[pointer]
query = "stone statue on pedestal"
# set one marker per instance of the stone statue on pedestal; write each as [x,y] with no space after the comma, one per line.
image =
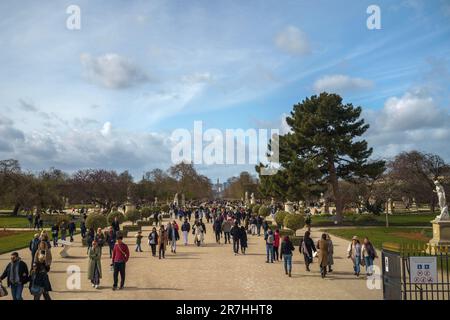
[175,199]
[246,197]
[442,202]
[253,200]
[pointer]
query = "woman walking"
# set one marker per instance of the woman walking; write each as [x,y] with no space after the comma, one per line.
[39,282]
[368,253]
[354,253]
[322,246]
[44,255]
[243,239]
[286,250]
[307,248]
[330,253]
[153,241]
[163,240]
[95,266]
[276,243]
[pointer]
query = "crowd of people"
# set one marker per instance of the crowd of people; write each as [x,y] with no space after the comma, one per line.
[230,225]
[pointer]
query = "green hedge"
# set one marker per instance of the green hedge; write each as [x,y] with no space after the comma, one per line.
[129,228]
[146,223]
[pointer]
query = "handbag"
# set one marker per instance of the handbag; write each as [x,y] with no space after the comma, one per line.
[35,290]
[3,291]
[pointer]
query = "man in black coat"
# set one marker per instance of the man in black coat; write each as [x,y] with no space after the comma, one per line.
[235,234]
[16,273]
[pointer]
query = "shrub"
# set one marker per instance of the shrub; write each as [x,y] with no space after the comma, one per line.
[147,223]
[165,208]
[279,217]
[294,221]
[133,216]
[255,209]
[286,232]
[264,211]
[296,240]
[365,219]
[114,214]
[131,228]
[95,221]
[146,212]
[156,209]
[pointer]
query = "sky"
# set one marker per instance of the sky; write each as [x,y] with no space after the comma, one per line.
[110,94]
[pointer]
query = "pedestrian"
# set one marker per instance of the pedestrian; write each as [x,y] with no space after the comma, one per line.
[226,228]
[354,253]
[265,227]
[330,253]
[16,274]
[115,224]
[235,234]
[243,239]
[90,237]
[368,253]
[258,225]
[55,232]
[153,241]
[287,249]
[37,217]
[63,230]
[44,255]
[83,228]
[162,241]
[269,245]
[173,236]
[308,249]
[253,225]
[100,238]
[39,282]
[34,245]
[110,239]
[95,264]
[72,229]
[217,227]
[276,243]
[120,256]
[30,220]
[139,237]
[185,228]
[322,246]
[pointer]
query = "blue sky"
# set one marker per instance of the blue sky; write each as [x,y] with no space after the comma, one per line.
[110,94]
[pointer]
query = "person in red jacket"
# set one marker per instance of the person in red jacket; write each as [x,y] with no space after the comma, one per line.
[120,256]
[276,243]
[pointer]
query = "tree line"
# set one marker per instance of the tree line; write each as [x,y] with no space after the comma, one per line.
[51,189]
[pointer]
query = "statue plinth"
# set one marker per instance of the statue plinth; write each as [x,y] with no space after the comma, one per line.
[129,206]
[441,233]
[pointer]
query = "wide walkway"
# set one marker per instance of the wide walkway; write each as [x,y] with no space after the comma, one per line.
[208,272]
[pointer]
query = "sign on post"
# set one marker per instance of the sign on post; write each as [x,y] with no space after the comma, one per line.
[423,270]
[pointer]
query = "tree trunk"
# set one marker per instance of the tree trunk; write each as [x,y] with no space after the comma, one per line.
[16,209]
[336,190]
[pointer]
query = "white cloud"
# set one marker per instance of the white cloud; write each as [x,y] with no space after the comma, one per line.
[112,71]
[341,83]
[410,122]
[293,41]
[106,129]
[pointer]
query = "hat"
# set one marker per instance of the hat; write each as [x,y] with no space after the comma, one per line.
[355,238]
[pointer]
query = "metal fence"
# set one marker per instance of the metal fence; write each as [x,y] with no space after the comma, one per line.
[403,281]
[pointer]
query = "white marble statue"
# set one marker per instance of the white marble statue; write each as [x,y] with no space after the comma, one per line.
[253,200]
[442,202]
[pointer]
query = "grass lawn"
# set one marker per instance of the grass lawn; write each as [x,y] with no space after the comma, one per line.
[398,220]
[14,240]
[13,222]
[378,235]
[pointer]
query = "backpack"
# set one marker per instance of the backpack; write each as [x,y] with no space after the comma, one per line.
[270,239]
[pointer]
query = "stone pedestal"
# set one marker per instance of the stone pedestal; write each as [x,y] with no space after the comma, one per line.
[289,207]
[129,207]
[441,233]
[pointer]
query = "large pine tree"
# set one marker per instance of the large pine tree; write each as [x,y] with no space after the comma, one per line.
[323,147]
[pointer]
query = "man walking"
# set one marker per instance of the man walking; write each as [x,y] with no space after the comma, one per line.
[269,245]
[120,257]
[235,233]
[226,228]
[16,273]
[185,228]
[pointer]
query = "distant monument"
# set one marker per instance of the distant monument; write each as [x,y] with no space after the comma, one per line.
[246,197]
[252,200]
[129,206]
[156,201]
[441,225]
[289,207]
[175,199]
